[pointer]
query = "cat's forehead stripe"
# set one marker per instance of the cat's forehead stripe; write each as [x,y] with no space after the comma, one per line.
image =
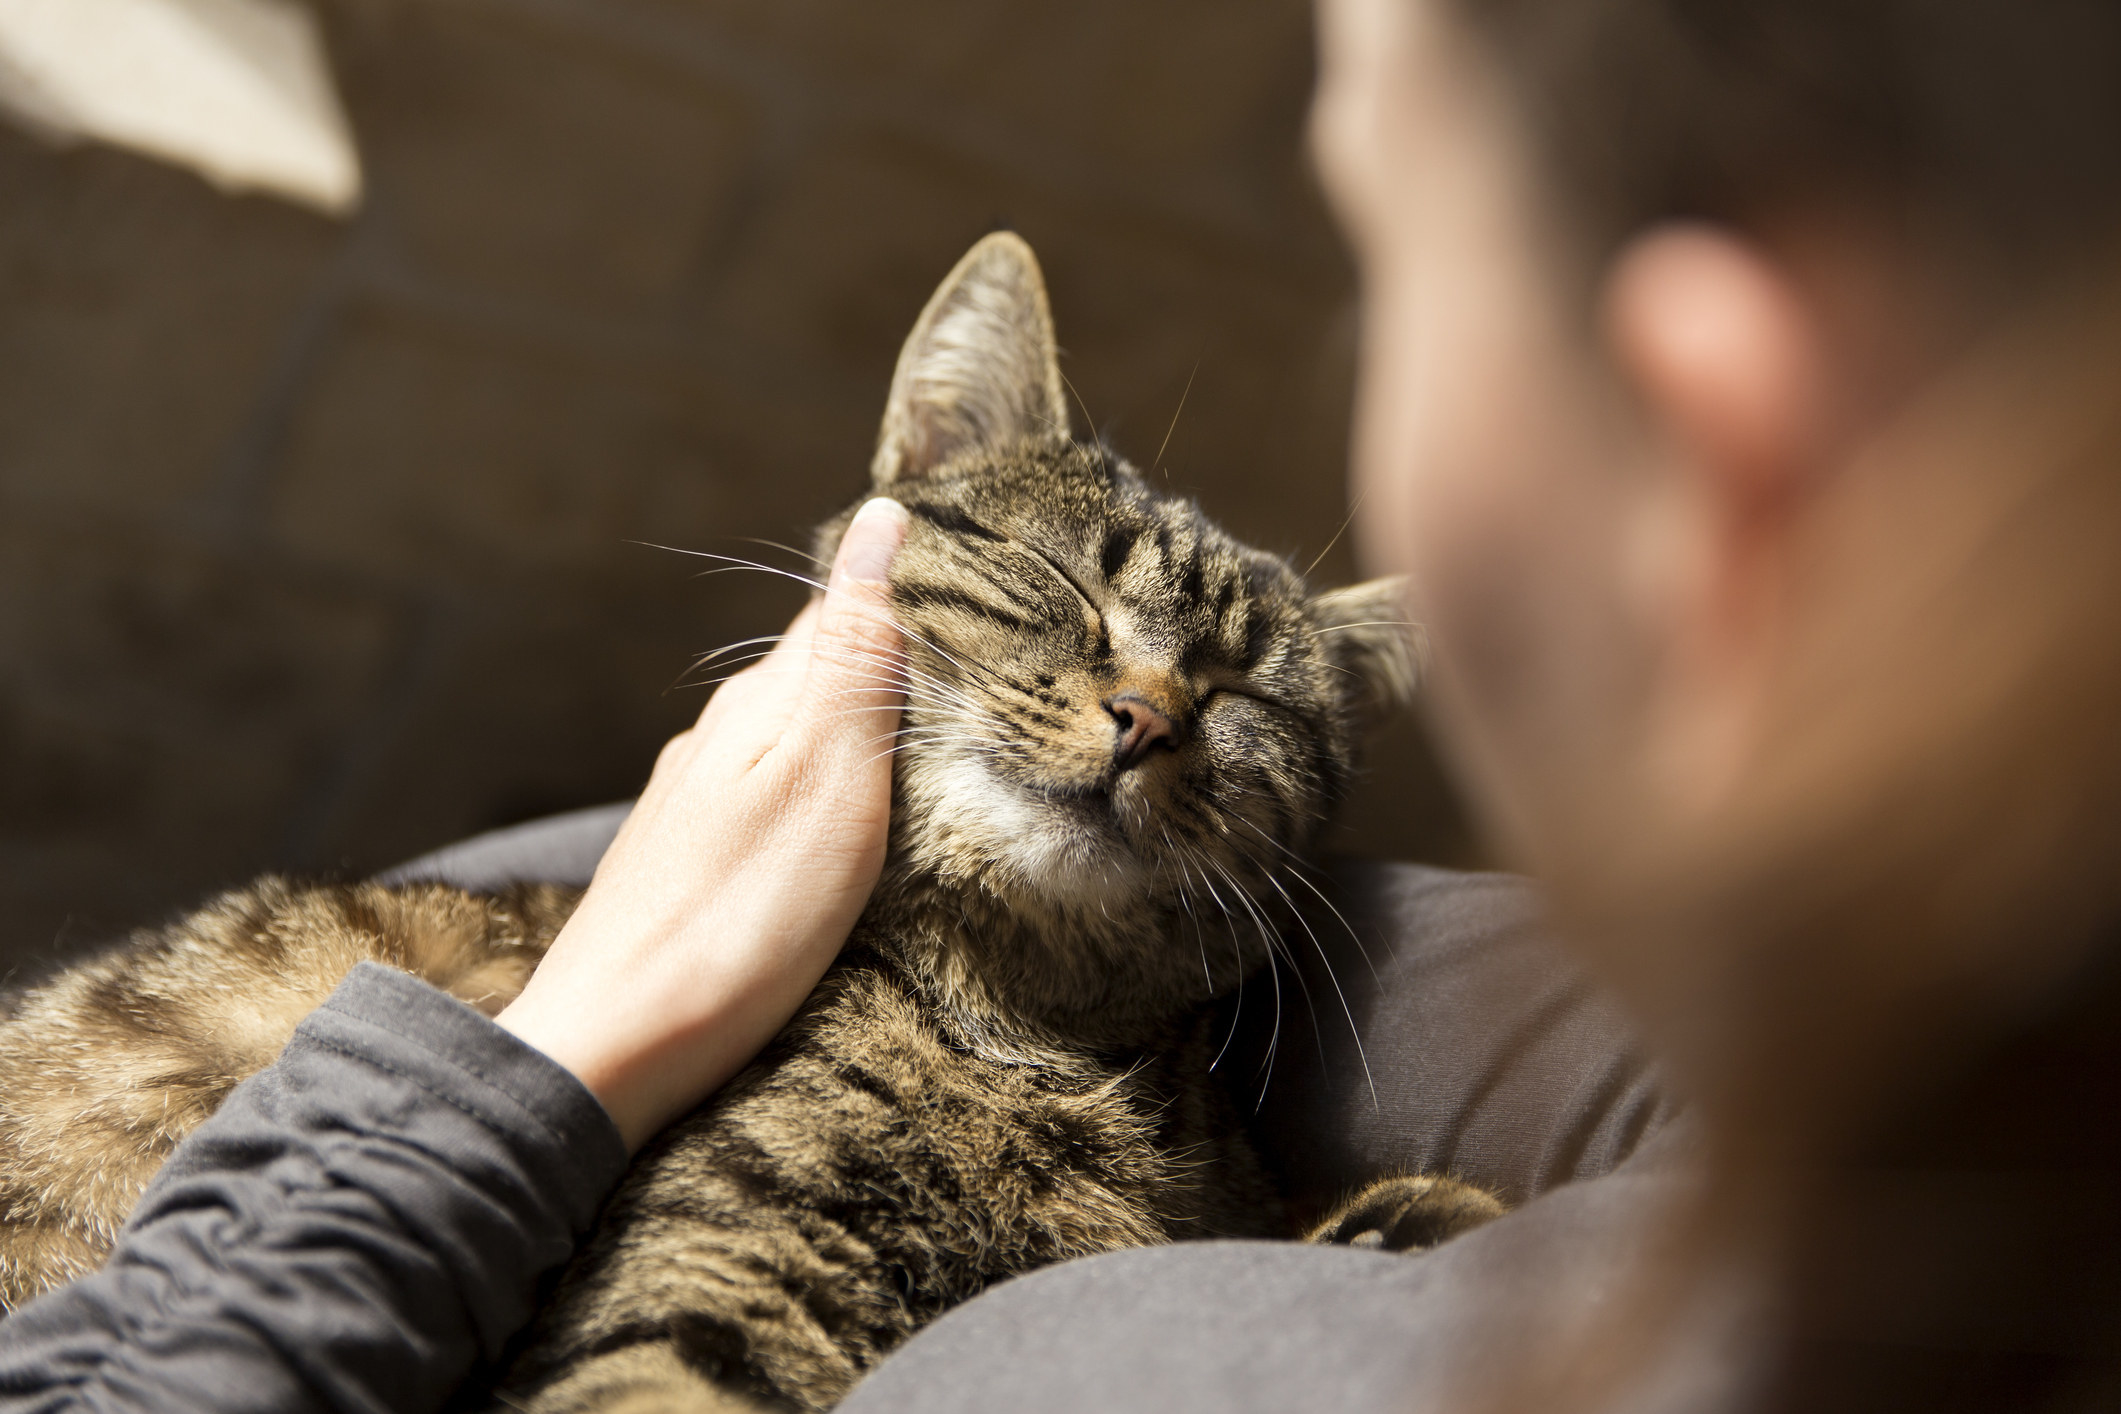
[920,595]
[1192,585]
[1119,546]
[954,520]
[1187,591]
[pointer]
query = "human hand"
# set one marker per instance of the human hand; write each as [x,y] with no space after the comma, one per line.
[742,868]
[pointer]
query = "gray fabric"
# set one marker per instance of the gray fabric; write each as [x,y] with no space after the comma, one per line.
[1432,1024]
[1283,1328]
[561,849]
[1492,1056]
[355,1229]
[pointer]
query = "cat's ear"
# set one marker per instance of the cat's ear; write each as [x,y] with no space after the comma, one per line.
[1364,631]
[980,368]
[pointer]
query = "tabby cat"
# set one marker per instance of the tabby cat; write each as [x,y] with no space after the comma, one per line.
[1120,727]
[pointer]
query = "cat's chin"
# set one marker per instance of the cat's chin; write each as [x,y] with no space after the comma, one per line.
[1058,849]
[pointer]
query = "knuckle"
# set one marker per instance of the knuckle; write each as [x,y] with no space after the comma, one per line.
[676,751]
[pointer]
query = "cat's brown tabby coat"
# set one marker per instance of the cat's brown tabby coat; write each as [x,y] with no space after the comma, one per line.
[1121,726]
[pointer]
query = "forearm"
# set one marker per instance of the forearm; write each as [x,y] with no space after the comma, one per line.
[355,1229]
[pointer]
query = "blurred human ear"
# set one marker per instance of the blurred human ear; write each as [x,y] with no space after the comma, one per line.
[1717,341]
[1722,352]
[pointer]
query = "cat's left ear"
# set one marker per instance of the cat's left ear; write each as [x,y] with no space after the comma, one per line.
[980,368]
[1364,631]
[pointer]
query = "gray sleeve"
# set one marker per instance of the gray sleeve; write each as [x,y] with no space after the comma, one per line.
[356,1229]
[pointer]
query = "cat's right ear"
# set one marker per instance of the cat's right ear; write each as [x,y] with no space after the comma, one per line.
[1365,632]
[980,368]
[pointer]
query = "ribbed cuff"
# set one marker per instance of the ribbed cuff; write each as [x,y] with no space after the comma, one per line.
[432,1040]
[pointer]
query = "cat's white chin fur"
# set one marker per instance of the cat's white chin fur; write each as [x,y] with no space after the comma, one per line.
[1028,843]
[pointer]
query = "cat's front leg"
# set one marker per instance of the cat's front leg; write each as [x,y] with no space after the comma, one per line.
[726,1275]
[1407,1213]
[653,1377]
[742,1315]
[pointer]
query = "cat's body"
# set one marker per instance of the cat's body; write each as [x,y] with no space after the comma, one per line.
[1120,728]
[873,1171]
[106,1068]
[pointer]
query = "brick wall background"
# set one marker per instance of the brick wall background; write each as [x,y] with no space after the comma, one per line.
[316,538]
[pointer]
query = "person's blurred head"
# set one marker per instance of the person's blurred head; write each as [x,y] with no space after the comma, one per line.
[1738,395]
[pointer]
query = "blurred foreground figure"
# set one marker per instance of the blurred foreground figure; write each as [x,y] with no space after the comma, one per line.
[1742,393]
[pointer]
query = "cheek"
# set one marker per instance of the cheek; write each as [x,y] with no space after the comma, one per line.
[1445,471]
[1484,467]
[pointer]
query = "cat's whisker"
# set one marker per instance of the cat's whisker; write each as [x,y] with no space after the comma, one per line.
[1326,962]
[1298,870]
[923,700]
[790,549]
[1185,900]
[892,750]
[917,736]
[896,662]
[1156,462]
[1366,623]
[726,677]
[965,745]
[921,695]
[830,652]
[735,666]
[1273,974]
[957,728]
[1320,557]
[866,709]
[1275,947]
[726,656]
[708,660]
[771,640]
[1089,422]
[920,688]
[736,562]
[1207,972]
[934,736]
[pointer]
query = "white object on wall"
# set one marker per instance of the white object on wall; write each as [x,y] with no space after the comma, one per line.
[237,90]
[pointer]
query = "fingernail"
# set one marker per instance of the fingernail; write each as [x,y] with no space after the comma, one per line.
[873,538]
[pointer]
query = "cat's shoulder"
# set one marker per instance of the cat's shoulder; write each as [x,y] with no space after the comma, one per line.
[237,974]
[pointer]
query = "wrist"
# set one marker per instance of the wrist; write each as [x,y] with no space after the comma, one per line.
[651,1030]
[627,1061]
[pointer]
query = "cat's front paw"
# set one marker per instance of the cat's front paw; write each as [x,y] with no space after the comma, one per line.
[1410,1213]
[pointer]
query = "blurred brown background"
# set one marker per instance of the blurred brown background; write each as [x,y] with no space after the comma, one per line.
[315,537]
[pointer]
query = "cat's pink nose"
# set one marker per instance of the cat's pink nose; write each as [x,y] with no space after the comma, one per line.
[1142,728]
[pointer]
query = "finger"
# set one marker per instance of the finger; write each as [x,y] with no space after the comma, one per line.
[794,647]
[770,683]
[852,694]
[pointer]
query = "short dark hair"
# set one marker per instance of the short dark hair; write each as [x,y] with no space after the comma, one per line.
[1992,123]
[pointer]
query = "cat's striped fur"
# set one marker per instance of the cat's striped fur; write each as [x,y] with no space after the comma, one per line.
[1121,728]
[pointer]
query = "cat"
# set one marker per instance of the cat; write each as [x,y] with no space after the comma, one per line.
[1122,729]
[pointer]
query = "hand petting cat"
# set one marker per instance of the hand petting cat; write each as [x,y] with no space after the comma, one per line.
[752,851]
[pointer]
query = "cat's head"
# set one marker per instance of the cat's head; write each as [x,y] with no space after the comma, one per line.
[1114,709]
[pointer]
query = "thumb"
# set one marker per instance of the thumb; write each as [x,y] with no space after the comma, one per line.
[855,683]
